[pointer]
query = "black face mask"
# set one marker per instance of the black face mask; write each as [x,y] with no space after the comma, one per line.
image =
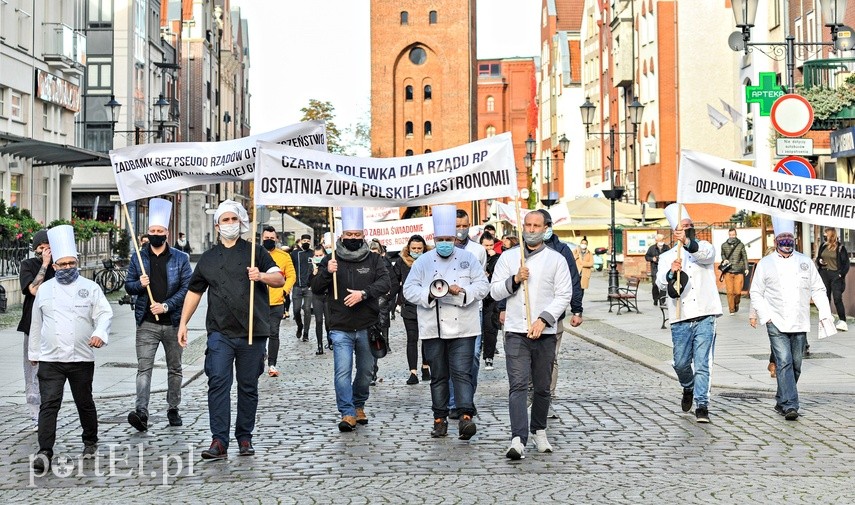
[305,246]
[352,244]
[157,240]
[690,233]
[269,244]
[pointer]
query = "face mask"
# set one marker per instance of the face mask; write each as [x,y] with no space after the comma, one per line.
[786,245]
[583,247]
[445,249]
[660,244]
[533,239]
[317,259]
[731,241]
[269,244]
[690,233]
[328,250]
[352,244]
[230,231]
[415,255]
[462,234]
[547,234]
[67,275]
[305,246]
[157,240]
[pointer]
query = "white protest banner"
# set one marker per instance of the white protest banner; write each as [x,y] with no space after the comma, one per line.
[395,234]
[506,212]
[708,179]
[155,169]
[293,176]
[375,214]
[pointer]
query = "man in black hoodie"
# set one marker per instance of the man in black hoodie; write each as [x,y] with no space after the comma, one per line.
[301,297]
[362,279]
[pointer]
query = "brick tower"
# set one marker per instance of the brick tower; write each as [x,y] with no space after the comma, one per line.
[423,78]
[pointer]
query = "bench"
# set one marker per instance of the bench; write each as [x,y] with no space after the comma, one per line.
[664,309]
[626,298]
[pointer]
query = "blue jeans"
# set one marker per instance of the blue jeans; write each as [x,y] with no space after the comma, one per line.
[789,349]
[450,358]
[351,392]
[224,358]
[694,343]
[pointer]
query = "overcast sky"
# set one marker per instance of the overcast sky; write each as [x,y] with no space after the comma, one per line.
[321,49]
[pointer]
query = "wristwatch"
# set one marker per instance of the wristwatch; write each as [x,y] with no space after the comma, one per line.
[165,307]
[364,295]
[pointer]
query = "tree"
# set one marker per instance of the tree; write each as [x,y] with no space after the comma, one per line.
[325,111]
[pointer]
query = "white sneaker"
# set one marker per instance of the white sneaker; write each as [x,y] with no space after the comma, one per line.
[541,442]
[551,413]
[841,325]
[516,450]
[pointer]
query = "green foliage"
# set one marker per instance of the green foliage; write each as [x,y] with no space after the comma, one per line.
[827,102]
[324,111]
[122,247]
[17,224]
[84,229]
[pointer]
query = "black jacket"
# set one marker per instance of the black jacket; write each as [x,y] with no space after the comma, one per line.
[559,246]
[303,266]
[653,252]
[842,259]
[369,275]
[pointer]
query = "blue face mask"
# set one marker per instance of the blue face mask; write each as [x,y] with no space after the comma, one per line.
[547,234]
[415,255]
[445,249]
[67,275]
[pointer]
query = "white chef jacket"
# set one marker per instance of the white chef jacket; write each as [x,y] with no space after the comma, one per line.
[782,290]
[700,295]
[450,316]
[65,317]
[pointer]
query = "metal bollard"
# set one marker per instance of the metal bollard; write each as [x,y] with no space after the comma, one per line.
[3,301]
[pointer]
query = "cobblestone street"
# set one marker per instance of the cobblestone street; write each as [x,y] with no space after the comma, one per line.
[621,439]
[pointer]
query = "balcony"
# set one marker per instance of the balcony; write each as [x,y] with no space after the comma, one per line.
[64,48]
[829,86]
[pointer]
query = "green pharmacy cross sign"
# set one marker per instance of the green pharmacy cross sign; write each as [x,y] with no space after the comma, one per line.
[765,94]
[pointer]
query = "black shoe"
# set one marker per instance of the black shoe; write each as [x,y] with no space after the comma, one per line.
[702,415]
[454,414]
[466,428]
[440,428]
[139,420]
[89,450]
[807,350]
[216,451]
[779,409]
[413,379]
[425,374]
[305,338]
[299,333]
[174,417]
[791,415]
[686,402]
[246,448]
[319,351]
[41,461]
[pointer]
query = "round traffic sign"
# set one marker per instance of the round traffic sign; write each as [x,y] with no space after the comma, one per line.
[792,115]
[796,165]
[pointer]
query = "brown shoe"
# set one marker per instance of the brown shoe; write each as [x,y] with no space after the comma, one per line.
[348,423]
[361,418]
[772,369]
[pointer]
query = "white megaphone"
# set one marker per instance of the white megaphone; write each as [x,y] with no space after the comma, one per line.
[438,288]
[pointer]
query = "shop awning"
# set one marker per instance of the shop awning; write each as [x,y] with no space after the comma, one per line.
[45,153]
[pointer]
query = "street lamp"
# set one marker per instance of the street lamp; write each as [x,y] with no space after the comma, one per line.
[744,12]
[115,107]
[636,110]
[530,145]
[227,118]
[161,116]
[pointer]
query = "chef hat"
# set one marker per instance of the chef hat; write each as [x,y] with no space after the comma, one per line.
[62,245]
[351,219]
[233,206]
[780,225]
[671,214]
[444,220]
[159,211]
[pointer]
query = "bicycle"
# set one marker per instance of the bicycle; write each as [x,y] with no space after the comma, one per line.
[112,277]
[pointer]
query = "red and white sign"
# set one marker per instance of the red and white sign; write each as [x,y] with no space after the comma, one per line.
[792,115]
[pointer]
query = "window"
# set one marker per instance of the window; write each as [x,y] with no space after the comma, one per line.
[491,131]
[409,152]
[405,18]
[100,13]
[432,17]
[408,93]
[98,137]
[46,116]
[428,129]
[418,56]
[16,102]
[99,74]
[15,183]
[408,128]
[491,104]
[428,151]
[489,69]
[428,92]
[2,102]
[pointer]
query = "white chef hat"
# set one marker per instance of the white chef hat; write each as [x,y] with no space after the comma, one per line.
[779,224]
[62,245]
[671,214]
[352,219]
[444,220]
[159,211]
[233,206]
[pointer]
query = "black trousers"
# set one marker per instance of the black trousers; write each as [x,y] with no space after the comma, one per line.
[834,288]
[52,376]
[489,327]
[412,328]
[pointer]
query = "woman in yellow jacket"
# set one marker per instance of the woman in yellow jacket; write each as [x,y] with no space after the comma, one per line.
[584,262]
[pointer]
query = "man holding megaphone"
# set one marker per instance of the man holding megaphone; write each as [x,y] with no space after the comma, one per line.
[446,285]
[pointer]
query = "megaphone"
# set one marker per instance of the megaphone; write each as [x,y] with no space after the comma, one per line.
[438,288]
